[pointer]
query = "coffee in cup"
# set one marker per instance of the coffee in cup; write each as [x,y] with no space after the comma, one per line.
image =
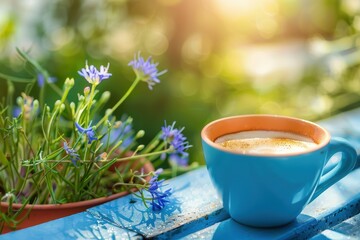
[266,142]
[265,188]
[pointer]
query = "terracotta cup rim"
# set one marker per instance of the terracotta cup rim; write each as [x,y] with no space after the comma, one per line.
[238,123]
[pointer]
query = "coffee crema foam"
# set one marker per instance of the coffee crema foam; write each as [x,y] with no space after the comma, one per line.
[266,142]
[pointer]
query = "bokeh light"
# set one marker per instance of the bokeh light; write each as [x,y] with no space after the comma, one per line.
[224,57]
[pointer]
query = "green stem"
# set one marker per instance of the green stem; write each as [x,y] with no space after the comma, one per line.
[77,184]
[168,173]
[89,104]
[130,184]
[42,94]
[10,94]
[146,155]
[153,143]
[108,113]
[50,126]
[54,115]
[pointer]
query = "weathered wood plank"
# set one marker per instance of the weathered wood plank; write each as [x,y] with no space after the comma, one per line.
[349,229]
[81,226]
[194,205]
[335,205]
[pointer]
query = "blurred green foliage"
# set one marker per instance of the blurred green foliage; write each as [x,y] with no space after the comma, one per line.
[224,57]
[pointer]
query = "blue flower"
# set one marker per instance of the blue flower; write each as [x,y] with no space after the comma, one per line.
[88,131]
[178,141]
[180,160]
[94,76]
[41,80]
[146,70]
[72,153]
[159,198]
[16,111]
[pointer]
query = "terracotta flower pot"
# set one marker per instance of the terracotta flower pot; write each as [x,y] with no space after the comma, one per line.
[40,213]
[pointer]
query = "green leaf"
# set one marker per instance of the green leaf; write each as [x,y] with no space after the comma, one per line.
[32,62]
[13,78]
[3,159]
[54,154]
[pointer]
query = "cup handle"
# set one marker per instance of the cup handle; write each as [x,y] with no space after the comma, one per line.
[341,168]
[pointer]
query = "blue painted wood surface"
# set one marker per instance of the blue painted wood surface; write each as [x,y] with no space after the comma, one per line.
[77,226]
[335,205]
[349,229]
[196,211]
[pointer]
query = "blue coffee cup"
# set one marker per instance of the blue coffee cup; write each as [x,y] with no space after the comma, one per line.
[268,190]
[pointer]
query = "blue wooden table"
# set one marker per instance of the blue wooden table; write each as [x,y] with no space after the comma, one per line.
[196,212]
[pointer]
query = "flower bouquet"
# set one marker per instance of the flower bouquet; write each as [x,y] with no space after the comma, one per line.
[62,153]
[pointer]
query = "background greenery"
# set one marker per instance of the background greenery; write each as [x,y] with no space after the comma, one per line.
[224,57]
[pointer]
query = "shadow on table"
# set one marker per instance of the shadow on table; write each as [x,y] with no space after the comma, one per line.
[143,221]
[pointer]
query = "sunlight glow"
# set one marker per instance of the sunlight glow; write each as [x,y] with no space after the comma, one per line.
[235,8]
